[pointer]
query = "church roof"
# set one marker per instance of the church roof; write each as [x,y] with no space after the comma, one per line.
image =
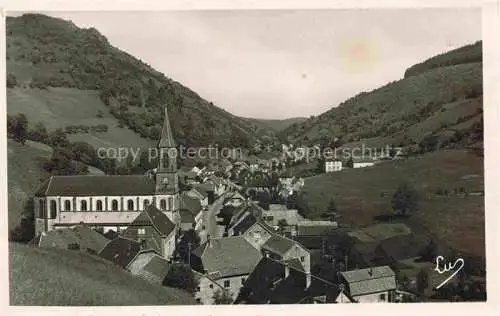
[88,185]
[167,139]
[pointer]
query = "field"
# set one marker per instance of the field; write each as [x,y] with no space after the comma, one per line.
[363,196]
[65,277]
[60,107]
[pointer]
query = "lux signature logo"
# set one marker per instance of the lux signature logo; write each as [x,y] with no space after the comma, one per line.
[447,267]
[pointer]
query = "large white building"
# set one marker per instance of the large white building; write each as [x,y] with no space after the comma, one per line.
[333,165]
[110,202]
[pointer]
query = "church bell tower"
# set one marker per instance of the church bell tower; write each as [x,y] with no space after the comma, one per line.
[167,180]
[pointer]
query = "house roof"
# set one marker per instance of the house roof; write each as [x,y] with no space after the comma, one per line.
[167,138]
[152,216]
[89,185]
[230,256]
[370,280]
[267,284]
[313,230]
[120,251]
[201,191]
[278,244]
[155,270]
[244,224]
[191,204]
[86,238]
[400,247]
[186,216]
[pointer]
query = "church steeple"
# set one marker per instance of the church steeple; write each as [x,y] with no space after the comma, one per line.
[166,139]
[167,181]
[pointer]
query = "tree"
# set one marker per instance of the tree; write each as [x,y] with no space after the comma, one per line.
[405,199]
[11,80]
[182,277]
[25,231]
[189,241]
[39,133]
[430,252]
[331,212]
[58,138]
[350,163]
[17,127]
[422,281]
[282,224]
[222,297]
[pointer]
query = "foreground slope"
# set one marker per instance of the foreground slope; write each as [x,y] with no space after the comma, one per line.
[73,278]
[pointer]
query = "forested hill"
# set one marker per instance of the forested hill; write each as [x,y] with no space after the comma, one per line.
[438,104]
[45,52]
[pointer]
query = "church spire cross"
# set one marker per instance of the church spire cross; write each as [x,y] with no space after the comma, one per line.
[167,139]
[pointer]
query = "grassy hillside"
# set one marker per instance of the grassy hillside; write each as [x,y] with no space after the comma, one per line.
[62,107]
[441,98]
[44,52]
[24,175]
[72,278]
[276,125]
[363,196]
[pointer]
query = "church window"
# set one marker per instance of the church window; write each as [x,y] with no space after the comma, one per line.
[163,204]
[83,205]
[114,205]
[130,205]
[42,209]
[146,203]
[67,205]
[227,283]
[99,205]
[53,209]
[170,203]
[165,162]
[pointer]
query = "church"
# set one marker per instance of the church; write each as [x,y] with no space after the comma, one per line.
[110,202]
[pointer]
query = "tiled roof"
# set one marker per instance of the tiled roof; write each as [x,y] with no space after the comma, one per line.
[400,247]
[200,190]
[89,185]
[191,204]
[370,280]
[230,256]
[186,216]
[278,244]
[152,216]
[313,230]
[86,238]
[267,284]
[155,270]
[120,251]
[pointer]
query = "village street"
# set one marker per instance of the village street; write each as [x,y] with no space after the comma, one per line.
[210,220]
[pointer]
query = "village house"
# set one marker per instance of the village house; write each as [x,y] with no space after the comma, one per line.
[77,237]
[109,202]
[278,282]
[121,251]
[207,288]
[277,247]
[191,213]
[200,194]
[314,234]
[149,266]
[154,230]
[363,162]
[228,261]
[333,165]
[278,213]
[234,199]
[218,184]
[370,285]
[244,217]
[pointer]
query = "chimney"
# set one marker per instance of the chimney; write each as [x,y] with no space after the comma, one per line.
[287,270]
[308,279]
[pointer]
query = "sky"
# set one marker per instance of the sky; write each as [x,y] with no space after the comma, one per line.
[280,64]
